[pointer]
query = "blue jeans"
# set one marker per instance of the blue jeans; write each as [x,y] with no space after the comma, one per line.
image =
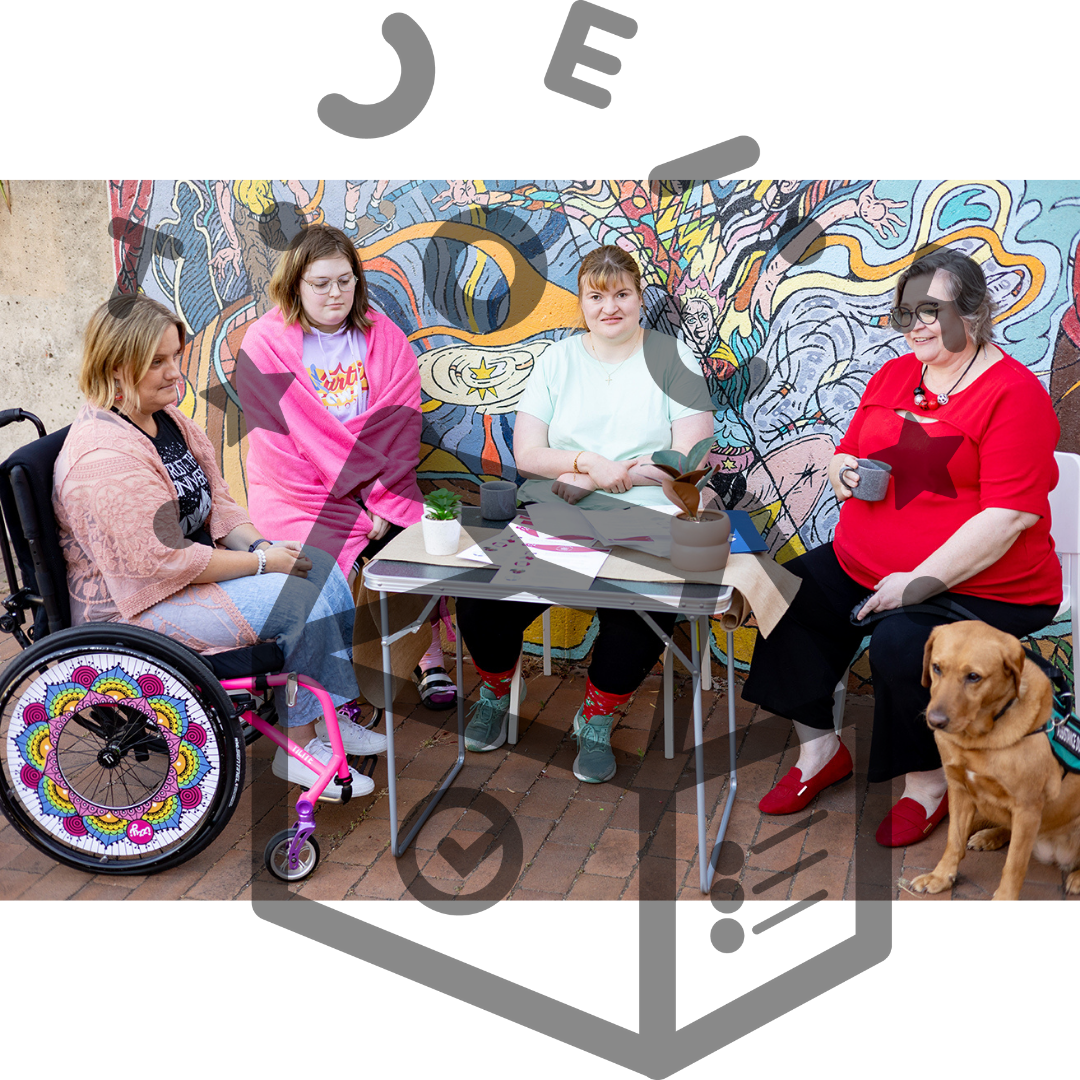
[312,620]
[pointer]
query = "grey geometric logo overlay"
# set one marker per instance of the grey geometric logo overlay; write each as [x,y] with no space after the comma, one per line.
[572,51]
[409,97]
[659,1048]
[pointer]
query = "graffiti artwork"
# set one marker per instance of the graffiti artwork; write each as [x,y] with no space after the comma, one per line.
[781,288]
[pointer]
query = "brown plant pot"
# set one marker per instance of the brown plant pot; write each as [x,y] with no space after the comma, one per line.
[700,545]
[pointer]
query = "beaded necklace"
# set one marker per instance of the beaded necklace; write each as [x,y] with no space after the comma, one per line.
[930,404]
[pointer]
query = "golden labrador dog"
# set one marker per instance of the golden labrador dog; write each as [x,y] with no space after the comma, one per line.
[987,704]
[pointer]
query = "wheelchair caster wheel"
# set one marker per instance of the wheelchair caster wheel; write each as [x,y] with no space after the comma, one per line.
[276,856]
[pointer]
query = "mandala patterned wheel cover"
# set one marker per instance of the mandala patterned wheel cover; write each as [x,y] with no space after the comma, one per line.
[169,769]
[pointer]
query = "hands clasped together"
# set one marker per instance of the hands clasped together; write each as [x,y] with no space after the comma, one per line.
[598,473]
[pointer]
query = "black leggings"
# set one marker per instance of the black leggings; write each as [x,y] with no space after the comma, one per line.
[624,652]
[373,547]
[796,668]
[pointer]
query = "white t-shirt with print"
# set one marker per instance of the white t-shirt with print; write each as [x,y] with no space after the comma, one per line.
[335,365]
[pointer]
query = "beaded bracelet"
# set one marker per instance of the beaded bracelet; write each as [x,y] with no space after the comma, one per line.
[262,562]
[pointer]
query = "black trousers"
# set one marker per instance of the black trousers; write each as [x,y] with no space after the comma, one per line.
[624,652]
[371,551]
[796,668]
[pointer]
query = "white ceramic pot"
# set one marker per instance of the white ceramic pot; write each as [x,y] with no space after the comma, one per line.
[700,545]
[441,537]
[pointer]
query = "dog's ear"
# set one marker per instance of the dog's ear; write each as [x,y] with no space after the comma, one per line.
[1014,664]
[926,657]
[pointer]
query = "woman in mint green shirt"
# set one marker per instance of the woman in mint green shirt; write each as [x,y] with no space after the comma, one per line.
[595,408]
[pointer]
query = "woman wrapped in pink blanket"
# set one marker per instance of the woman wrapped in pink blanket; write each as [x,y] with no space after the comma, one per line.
[331,395]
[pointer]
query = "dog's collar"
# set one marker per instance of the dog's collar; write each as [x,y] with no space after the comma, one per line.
[1003,711]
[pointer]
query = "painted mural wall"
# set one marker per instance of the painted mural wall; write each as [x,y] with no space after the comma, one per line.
[781,288]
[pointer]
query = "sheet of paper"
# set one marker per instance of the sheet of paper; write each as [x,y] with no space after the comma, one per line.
[584,562]
[535,559]
[562,519]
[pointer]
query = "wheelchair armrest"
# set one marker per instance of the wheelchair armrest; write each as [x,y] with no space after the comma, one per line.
[265,658]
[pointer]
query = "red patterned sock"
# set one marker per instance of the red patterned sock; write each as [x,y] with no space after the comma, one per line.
[499,685]
[601,703]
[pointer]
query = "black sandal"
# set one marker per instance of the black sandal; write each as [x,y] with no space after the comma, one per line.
[435,682]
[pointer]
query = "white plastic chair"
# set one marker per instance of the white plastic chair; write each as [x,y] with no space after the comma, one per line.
[1065,529]
[669,686]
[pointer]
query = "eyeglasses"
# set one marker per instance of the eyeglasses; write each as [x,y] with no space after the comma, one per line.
[322,287]
[901,318]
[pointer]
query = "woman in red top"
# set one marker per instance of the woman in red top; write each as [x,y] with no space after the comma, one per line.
[970,434]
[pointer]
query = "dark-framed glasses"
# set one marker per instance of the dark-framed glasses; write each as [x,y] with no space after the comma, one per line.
[901,318]
[322,285]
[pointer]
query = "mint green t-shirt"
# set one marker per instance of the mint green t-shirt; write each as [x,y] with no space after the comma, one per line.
[630,416]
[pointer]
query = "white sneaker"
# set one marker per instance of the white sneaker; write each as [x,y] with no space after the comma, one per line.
[296,772]
[356,738]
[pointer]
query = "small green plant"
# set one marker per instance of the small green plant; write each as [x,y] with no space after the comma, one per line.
[685,479]
[442,504]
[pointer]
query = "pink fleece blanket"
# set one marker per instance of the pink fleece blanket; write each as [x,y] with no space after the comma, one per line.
[305,469]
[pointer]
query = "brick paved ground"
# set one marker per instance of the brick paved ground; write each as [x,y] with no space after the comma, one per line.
[519,825]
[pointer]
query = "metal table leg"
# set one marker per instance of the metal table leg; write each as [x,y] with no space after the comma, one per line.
[733,782]
[699,639]
[397,845]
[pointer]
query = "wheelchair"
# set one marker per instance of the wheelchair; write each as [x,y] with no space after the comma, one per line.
[121,750]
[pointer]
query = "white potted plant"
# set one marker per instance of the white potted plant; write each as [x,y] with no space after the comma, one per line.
[700,539]
[441,522]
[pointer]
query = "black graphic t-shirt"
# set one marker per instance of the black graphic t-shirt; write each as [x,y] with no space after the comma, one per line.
[192,487]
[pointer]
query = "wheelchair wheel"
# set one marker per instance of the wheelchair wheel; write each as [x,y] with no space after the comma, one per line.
[276,856]
[119,753]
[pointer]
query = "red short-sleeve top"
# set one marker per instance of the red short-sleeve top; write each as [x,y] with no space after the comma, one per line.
[992,446]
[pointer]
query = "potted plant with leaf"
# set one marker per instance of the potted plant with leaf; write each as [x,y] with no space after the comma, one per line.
[700,538]
[441,522]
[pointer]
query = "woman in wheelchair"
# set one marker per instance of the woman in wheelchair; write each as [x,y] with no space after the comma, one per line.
[152,537]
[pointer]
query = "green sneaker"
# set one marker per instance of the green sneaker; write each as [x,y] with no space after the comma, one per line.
[595,762]
[486,729]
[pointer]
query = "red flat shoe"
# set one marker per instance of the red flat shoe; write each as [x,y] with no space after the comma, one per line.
[792,794]
[907,823]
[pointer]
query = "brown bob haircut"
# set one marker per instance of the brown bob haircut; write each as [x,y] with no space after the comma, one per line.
[603,267]
[119,345]
[308,246]
[967,288]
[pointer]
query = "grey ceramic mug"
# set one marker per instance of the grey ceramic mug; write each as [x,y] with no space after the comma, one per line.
[873,479]
[498,500]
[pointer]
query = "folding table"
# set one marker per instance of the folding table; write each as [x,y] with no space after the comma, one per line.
[698,602]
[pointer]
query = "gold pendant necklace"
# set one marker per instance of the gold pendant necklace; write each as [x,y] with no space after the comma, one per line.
[604,367]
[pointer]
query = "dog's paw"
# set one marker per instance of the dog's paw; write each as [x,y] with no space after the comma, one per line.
[988,839]
[933,882]
[1072,883]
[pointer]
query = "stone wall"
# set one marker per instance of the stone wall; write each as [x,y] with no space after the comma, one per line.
[56,266]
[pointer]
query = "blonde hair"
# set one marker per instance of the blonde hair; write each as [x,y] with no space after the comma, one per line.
[602,268]
[308,246]
[119,345]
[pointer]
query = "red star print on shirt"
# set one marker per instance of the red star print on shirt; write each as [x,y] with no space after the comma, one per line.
[920,462]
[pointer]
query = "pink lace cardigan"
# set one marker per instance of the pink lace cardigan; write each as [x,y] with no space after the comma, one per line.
[120,533]
[305,467]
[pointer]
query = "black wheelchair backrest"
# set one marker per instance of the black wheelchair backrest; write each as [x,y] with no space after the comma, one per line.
[26,481]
